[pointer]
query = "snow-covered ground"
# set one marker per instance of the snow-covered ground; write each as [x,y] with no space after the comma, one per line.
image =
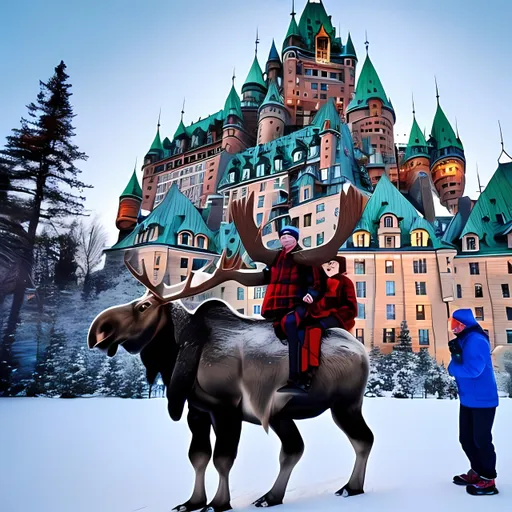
[114,455]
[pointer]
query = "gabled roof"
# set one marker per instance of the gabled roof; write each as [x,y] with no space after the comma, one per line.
[386,199]
[417,145]
[255,76]
[443,132]
[174,214]
[233,105]
[494,203]
[273,95]
[368,87]
[328,112]
[133,188]
[202,124]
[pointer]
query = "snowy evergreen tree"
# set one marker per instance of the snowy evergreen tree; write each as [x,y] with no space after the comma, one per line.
[425,365]
[439,383]
[405,380]
[404,339]
[375,382]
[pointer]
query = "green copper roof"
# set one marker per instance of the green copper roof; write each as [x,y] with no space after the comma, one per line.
[493,211]
[255,76]
[273,95]
[417,145]
[443,132]
[368,86]
[157,143]
[133,188]
[312,19]
[349,47]
[233,107]
[387,199]
[328,112]
[181,130]
[174,214]
[293,29]
[273,55]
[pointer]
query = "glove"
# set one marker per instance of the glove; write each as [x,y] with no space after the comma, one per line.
[456,350]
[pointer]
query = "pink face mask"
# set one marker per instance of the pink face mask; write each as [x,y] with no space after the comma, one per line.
[288,242]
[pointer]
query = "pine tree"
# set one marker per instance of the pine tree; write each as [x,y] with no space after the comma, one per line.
[404,339]
[405,380]
[425,365]
[37,166]
[375,384]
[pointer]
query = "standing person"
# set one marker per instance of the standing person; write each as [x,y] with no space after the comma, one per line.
[472,368]
[337,308]
[290,287]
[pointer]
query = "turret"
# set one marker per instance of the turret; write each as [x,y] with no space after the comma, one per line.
[327,119]
[272,116]
[254,88]
[447,161]
[274,67]
[234,135]
[129,206]
[292,37]
[181,137]
[156,151]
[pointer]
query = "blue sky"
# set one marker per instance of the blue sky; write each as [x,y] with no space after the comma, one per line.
[127,59]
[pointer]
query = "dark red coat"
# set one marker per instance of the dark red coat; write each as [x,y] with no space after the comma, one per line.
[287,284]
[339,301]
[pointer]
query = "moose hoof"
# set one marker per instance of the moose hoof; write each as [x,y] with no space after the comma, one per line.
[346,491]
[267,501]
[189,507]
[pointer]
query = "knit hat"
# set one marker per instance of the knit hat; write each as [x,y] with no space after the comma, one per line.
[289,230]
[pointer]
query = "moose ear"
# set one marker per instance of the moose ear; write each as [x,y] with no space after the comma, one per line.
[158,357]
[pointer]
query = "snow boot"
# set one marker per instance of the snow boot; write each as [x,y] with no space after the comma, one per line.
[471,477]
[484,487]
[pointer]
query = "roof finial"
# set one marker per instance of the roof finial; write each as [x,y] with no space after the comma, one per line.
[159,114]
[413,110]
[478,179]
[135,168]
[437,90]
[503,152]
[366,43]
[183,109]
[257,42]
[457,128]
[233,77]
[293,13]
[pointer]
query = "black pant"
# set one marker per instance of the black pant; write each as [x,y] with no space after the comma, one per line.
[295,337]
[475,436]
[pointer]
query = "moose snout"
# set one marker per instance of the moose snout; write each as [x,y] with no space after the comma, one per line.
[101,333]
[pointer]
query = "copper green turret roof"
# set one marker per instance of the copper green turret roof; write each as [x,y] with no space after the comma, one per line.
[273,55]
[273,95]
[443,132]
[368,87]
[255,76]
[293,29]
[417,145]
[491,217]
[180,131]
[349,47]
[133,188]
[157,143]
[328,112]
[312,18]
[233,107]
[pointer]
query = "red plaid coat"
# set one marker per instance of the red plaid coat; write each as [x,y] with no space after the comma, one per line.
[287,284]
[338,301]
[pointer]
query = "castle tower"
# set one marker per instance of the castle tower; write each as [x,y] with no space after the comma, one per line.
[129,206]
[272,116]
[292,37]
[447,161]
[328,121]
[372,118]
[253,93]
[156,151]
[416,160]
[274,67]
[234,135]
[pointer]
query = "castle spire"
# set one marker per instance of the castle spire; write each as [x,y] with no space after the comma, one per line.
[437,90]
[413,110]
[503,152]
[366,43]
[233,77]
[478,179]
[257,42]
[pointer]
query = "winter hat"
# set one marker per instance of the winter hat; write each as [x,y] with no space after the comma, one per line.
[289,230]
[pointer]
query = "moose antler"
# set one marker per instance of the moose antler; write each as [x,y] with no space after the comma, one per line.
[199,281]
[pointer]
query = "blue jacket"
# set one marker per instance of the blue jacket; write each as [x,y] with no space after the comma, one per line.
[475,374]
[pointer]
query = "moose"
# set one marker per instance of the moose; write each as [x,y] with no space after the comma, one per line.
[227,367]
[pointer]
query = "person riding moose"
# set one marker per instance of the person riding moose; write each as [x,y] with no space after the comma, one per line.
[307,290]
[290,288]
[336,308]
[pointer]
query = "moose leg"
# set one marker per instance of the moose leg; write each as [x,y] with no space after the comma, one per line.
[227,423]
[200,453]
[291,451]
[351,421]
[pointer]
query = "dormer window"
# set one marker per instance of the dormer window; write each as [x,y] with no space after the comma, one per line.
[361,239]
[260,170]
[231,177]
[246,173]
[201,242]
[388,222]
[297,156]
[419,238]
[323,50]
[471,243]
[184,238]
[278,164]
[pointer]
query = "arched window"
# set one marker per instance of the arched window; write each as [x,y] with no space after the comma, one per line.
[201,242]
[184,238]
[479,291]
[388,222]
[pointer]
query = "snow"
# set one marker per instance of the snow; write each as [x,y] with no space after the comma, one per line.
[115,455]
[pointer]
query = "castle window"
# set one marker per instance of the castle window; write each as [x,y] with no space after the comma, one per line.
[390,288]
[239,293]
[231,177]
[246,173]
[388,335]
[389,242]
[509,313]
[183,262]
[261,201]
[307,220]
[505,291]
[297,156]
[471,243]
[390,311]
[388,222]
[419,238]
[474,269]
[479,291]
[320,238]
[322,47]
[314,86]
[420,312]
[421,288]
[360,335]
[361,313]
[260,170]
[201,242]
[361,289]
[423,336]
[198,263]
[390,267]
[479,313]
[359,267]
[184,239]
[278,164]
[420,266]
[459,291]
[509,335]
